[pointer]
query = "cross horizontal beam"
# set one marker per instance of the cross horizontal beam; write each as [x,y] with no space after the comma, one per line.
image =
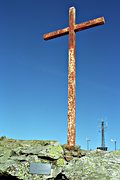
[77,27]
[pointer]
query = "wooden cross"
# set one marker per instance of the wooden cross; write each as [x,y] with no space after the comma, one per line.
[71,30]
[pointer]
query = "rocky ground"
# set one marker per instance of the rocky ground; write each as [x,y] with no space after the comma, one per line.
[75,164]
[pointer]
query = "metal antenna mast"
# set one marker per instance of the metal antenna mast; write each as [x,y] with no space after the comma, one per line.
[103,136]
[114,141]
[102,130]
[88,140]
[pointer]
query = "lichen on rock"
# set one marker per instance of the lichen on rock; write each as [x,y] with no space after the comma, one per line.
[69,164]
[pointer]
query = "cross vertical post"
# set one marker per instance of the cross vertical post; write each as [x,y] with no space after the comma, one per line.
[103,136]
[71,31]
[72,80]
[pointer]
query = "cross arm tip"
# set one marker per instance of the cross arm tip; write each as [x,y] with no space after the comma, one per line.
[100,20]
[47,36]
[44,37]
[103,20]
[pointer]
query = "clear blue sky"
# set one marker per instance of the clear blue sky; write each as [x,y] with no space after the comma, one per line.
[33,72]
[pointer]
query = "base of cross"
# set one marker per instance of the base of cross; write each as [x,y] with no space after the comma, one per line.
[74,148]
[70,147]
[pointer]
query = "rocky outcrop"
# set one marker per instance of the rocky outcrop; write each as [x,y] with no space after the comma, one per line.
[74,164]
[97,165]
